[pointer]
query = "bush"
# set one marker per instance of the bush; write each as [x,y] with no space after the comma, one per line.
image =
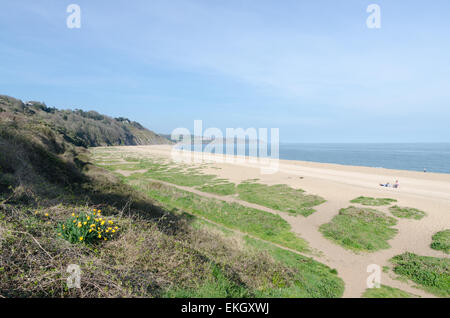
[88,228]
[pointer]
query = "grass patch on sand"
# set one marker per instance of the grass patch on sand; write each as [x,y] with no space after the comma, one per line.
[178,174]
[373,201]
[223,188]
[264,225]
[310,278]
[386,292]
[407,213]
[430,273]
[360,229]
[441,241]
[279,197]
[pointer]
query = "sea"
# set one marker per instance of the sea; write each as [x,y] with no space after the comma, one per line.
[429,157]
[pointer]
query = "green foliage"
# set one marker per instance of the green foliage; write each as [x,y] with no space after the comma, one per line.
[407,213]
[386,292]
[226,188]
[218,285]
[82,128]
[360,229]
[441,241]
[310,278]
[373,201]
[88,228]
[279,197]
[259,223]
[431,273]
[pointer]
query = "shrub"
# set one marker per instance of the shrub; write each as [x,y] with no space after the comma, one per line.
[87,228]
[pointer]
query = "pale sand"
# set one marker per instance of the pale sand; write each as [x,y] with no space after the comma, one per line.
[339,184]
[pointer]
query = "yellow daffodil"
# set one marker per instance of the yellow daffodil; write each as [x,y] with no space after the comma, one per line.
[46,214]
[81,238]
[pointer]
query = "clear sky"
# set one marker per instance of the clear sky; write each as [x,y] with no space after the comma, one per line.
[311,68]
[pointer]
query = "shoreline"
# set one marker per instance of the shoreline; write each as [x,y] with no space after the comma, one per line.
[429,169]
[312,164]
[338,185]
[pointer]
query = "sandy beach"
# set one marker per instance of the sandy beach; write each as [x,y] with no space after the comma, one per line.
[339,184]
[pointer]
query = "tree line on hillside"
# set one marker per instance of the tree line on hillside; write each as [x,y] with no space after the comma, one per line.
[82,128]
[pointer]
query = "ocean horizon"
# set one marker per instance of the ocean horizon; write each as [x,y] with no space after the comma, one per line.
[429,157]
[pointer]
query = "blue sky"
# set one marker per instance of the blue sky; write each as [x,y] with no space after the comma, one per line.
[311,68]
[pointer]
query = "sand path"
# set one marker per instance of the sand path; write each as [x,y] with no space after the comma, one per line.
[338,185]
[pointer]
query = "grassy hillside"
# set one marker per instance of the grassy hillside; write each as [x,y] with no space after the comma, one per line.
[78,127]
[58,209]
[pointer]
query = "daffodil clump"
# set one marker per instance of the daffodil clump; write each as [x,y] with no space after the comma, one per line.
[88,228]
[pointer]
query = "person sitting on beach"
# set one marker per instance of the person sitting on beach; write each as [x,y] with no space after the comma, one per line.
[396,185]
[385,185]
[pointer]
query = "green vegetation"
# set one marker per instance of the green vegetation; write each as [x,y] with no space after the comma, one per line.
[407,213]
[309,278]
[360,229]
[373,201]
[264,225]
[217,286]
[176,174]
[430,273]
[225,188]
[86,129]
[279,197]
[441,241]
[88,228]
[386,292]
